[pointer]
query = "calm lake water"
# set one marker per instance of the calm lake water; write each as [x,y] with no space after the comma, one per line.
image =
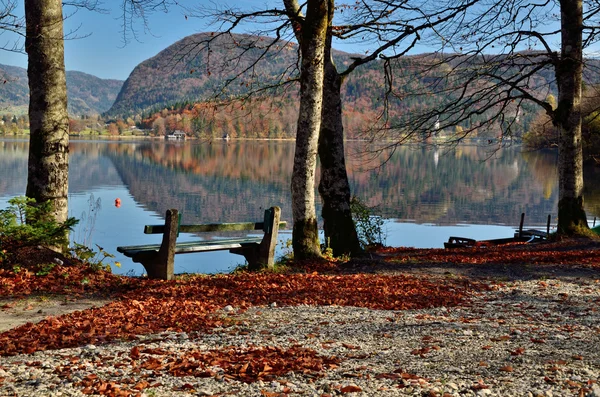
[425,194]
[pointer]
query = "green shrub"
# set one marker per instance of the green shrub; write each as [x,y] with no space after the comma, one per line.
[95,260]
[27,223]
[369,225]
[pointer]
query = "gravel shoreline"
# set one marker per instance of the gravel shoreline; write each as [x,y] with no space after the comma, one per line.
[522,338]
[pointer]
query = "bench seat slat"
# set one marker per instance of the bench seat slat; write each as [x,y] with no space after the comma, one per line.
[193,246]
[211,227]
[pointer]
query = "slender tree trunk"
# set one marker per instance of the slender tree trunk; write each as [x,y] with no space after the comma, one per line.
[569,71]
[305,237]
[47,177]
[339,228]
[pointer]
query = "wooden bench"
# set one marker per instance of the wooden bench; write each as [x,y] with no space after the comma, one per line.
[158,259]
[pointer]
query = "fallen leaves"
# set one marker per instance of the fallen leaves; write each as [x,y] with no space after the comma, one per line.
[350,389]
[557,253]
[152,306]
[246,365]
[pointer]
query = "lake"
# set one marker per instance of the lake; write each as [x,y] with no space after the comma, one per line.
[424,194]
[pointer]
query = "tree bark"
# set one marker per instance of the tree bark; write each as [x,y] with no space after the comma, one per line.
[305,237]
[339,228]
[569,71]
[48,166]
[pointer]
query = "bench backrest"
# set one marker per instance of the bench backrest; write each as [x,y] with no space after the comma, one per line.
[220,227]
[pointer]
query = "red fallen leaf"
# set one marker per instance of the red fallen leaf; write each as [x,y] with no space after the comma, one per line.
[534,340]
[135,353]
[406,375]
[518,351]
[506,368]
[141,385]
[421,352]
[479,385]
[350,389]
[350,347]
[486,347]
[265,393]
[577,357]
[387,376]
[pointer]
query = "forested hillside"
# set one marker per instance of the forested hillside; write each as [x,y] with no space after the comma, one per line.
[177,89]
[88,95]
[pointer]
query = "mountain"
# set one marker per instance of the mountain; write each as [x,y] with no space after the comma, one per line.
[189,71]
[87,94]
[180,73]
[170,90]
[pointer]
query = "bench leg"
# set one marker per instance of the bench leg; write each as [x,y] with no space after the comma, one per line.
[161,264]
[263,255]
[250,253]
[152,263]
[266,249]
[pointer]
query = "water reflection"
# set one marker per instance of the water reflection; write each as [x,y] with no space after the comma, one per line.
[235,181]
[226,181]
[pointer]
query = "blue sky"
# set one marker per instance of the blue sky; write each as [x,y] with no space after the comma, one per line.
[100,49]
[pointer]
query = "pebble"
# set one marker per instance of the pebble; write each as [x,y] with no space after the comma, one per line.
[536,338]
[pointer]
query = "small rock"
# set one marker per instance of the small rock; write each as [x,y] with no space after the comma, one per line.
[595,392]
[452,385]
[274,304]
[228,309]
[58,261]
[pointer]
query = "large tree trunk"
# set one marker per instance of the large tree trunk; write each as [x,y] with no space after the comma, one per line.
[569,71]
[339,228]
[305,237]
[48,168]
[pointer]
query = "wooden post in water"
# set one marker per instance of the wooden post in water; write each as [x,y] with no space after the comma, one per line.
[594,224]
[521,225]
[548,227]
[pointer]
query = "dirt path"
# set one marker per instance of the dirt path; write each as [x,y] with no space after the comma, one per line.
[15,312]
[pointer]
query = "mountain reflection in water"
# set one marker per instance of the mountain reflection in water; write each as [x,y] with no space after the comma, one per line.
[236,181]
